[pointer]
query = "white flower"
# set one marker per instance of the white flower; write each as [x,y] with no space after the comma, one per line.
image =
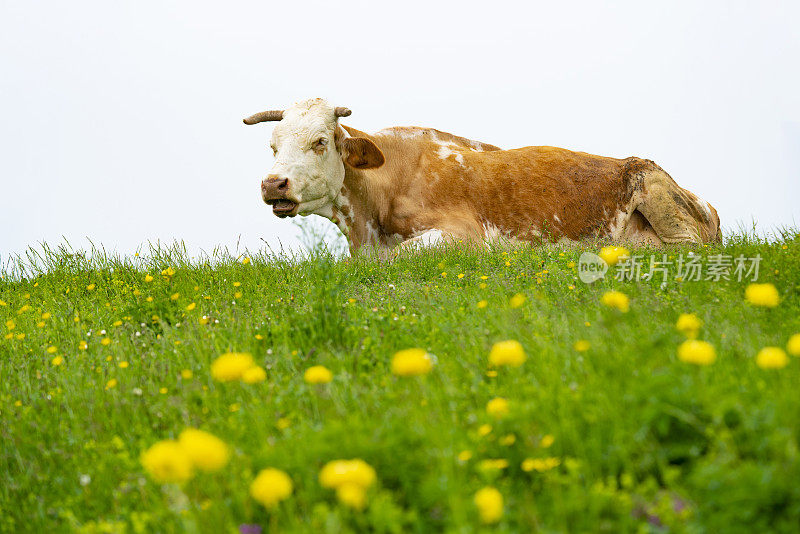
[137,392]
[85,480]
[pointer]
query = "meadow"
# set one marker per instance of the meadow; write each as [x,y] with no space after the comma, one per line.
[599,419]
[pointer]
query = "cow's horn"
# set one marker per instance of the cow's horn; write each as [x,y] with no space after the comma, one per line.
[341,112]
[264,116]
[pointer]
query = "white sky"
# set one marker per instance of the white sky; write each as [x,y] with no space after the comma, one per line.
[121,121]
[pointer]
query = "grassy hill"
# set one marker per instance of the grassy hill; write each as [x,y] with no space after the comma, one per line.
[605,428]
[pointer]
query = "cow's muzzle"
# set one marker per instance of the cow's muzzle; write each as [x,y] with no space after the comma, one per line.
[274,190]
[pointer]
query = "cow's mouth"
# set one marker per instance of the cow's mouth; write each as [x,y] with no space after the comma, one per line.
[283,207]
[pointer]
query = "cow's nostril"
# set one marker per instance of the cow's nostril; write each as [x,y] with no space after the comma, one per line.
[283,184]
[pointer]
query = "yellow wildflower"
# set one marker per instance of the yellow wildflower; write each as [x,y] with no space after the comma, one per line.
[616,299]
[82,345]
[51,350]
[117,323]
[540,464]
[186,374]
[148,278]
[105,341]
[489,502]
[411,362]
[231,366]
[582,345]
[517,300]
[111,383]
[254,375]
[46,316]
[697,352]
[762,295]
[58,360]
[246,261]
[611,255]
[484,430]
[793,345]
[689,325]
[482,304]
[352,495]
[497,407]
[271,486]
[464,456]
[166,461]
[772,358]
[124,365]
[508,352]
[340,472]
[317,375]
[90,287]
[175,296]
[547,441]
[206,451]
[191,306]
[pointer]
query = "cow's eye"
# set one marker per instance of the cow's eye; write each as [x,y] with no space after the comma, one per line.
[319,145]
[274,150]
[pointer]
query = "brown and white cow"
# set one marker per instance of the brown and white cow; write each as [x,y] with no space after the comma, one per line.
[419,185]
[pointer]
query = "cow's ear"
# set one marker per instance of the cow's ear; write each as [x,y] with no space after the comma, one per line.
[361,153]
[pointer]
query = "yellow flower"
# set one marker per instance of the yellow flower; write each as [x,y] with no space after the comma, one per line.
[612,255]
[508,440]
[51,350]
[254,375]
[163,391]
[547,441]
[497,407]
[340,472]
[105,341]
[191,306]
[237,284]
[149,299]
[411,362]
[20,336]
[175,296]
[317,375]
[246,261]
[58,360]
[90,287]
[697,352]
[490,505]
[491,464]
[460,276]
[508,352]
[203,320]
[3,303]
[540,464]
[206,451]
[118,323]
[186,374]
[111,383]
[46,316]
[464,456]
[352,495]
[772,358]
[517,300]
[82,345]
[482,304]
[762,295]
[689,325]
[270,487]
[582,345]
[10,324]
[231,366]
[793,346]
[40,324]
[148,278]
[616,299]
[237,295]
[123,365]
[484,430]
[166,461]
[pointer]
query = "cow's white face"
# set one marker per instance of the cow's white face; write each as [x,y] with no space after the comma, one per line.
[310,158]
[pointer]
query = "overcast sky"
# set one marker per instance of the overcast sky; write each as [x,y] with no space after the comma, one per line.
[121,121]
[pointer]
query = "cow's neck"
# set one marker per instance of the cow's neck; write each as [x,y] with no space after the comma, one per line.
[362,199]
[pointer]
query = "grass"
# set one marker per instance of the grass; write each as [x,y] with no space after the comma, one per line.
[640,440]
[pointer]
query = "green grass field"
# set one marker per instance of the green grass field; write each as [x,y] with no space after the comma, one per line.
[620,437]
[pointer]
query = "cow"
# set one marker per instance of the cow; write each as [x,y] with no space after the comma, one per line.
[410,185]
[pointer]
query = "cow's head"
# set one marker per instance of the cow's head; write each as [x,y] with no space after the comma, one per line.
[311,150]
